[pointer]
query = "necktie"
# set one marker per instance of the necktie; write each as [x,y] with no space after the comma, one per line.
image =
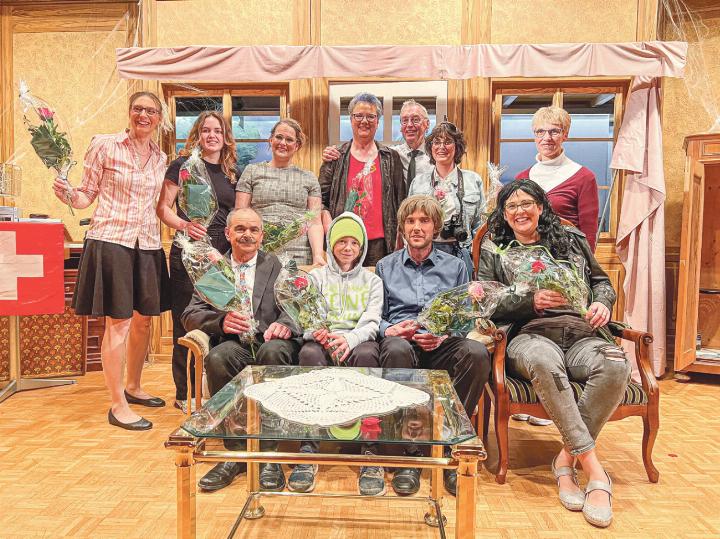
[411,167]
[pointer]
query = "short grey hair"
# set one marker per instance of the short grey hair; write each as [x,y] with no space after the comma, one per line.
[365,97]
[413,103]
[232,212]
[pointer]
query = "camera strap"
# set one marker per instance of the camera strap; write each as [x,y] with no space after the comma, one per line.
[460,189]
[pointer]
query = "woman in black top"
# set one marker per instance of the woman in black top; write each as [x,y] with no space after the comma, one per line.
[213,135]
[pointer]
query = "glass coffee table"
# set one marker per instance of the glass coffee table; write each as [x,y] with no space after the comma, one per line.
[384,406]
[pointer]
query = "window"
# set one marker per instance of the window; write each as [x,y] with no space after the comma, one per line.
[251,112]
[595,111]
[431,94]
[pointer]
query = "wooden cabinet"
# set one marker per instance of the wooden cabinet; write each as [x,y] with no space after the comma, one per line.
[698,306]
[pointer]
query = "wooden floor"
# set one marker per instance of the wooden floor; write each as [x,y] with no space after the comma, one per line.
[67,473]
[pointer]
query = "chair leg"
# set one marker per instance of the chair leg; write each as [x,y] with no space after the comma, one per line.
[486,416]
[651,425]
[501,432]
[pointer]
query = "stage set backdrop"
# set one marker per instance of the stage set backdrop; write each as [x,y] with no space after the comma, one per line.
[638,151]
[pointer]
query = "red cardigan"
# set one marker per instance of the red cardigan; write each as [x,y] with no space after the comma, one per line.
[575,199]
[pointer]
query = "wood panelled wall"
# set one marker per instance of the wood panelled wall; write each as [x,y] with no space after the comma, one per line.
[298,22]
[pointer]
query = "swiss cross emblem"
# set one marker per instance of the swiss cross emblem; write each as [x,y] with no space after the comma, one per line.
[31,268]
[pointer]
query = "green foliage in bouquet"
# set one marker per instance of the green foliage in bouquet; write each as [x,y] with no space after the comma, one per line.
[276,236]
[197,197]
[50,144]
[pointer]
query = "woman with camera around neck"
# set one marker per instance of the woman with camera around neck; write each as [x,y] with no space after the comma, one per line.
[459,191]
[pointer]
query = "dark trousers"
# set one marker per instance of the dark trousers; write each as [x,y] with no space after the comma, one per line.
[467,363]
[181,291]
[366,354]
[376,250]
[227,359]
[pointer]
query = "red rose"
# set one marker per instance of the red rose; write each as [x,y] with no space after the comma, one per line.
[184,174]
[370,428]
[45,113]
[538,266]
[300,283]
[439,194]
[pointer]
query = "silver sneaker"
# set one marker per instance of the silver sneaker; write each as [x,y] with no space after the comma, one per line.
[598,516]
[371,481]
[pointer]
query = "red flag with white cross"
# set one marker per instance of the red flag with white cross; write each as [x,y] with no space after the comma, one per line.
[31,268]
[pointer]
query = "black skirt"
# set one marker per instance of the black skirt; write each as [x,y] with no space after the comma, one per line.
[114,281]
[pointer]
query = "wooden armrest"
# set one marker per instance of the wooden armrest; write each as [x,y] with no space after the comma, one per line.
[197,341]
[498,360]
[642,341]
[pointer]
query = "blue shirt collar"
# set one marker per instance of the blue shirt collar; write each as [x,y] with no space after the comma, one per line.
[432,258]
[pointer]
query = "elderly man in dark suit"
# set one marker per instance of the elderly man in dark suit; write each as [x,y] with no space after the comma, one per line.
[229,356]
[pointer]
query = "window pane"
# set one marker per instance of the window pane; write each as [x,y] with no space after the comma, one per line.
[252,152]
[593,115]
[594,155]
[346,129]
[179,146]
[430,103]
[517,156]
[187,109]
[517,113]
[254,116]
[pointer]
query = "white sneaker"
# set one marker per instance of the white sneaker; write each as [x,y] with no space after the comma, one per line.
[520,417]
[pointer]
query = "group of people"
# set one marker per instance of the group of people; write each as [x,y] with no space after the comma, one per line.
[413,216]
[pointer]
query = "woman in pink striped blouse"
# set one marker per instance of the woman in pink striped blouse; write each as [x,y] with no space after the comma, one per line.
[123,275]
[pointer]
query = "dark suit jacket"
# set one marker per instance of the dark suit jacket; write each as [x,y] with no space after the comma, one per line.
[201,315]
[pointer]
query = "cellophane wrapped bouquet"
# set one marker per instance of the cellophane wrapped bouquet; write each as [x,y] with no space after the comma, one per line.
[213,277]
[534,267]
[277,236]
[50,142]
[455,311]
[360,196]
[196,196]
[495,173]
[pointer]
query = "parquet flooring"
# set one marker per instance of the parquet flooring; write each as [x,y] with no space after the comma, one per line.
[66,473]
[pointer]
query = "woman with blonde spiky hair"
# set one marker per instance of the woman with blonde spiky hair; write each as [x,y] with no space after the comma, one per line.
[212,134]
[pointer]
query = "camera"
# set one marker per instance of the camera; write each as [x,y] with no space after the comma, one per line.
[454,229]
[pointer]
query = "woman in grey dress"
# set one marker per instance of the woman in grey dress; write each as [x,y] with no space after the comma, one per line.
[281,191]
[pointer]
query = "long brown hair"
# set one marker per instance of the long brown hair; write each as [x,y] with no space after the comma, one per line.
[228,154]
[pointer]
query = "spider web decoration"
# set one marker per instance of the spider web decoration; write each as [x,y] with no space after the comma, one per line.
[328,397]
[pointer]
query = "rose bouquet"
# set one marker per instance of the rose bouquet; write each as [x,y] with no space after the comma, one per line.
[51,144]
[454,311]
[360,195]
[196,197]
[276,236]
[215,281]
[495,173]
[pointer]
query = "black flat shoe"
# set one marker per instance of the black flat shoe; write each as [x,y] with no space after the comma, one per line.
[450,481]
[152,402]
[221,475]
[406,481]
[140,424]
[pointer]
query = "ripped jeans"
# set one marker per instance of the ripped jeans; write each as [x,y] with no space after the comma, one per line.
[601,366]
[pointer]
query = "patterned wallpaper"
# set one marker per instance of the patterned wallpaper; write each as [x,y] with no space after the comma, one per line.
[379,22]
[560,21]
[74,72]
[225,22]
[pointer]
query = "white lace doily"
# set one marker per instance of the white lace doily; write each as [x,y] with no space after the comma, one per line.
[328,397]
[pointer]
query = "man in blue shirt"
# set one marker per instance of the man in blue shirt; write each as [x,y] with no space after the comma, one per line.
[411,278]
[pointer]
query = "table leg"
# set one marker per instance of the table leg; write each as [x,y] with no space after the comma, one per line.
[436,474]
[185,464]
[254,510]
[466,497]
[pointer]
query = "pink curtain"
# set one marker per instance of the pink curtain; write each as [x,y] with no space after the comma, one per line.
[641,230]
[267,63]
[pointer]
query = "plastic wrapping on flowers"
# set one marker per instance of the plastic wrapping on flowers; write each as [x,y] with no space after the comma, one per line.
[196,196]
[277,236]
[50,142]
[298,296]
[359,198]
[214,280]
[454,311]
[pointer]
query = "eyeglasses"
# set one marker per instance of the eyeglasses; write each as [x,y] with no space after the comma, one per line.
[137,109]
[443,142]
[525,205]
[415,120]
[360,117]
[554,133]
[287,140]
